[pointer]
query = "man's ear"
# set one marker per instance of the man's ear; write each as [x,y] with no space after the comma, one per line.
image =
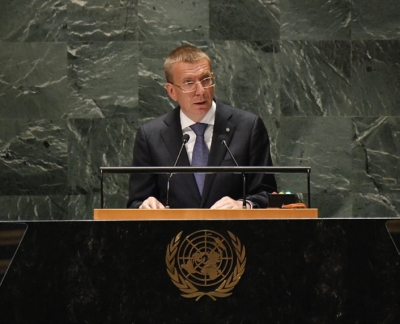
[171,91]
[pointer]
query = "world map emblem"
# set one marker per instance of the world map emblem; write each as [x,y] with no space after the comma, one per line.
[205,263]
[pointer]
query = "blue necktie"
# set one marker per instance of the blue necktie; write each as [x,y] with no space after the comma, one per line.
[200,153]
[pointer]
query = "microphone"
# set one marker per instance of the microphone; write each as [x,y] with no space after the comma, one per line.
[223,138]
[185,139]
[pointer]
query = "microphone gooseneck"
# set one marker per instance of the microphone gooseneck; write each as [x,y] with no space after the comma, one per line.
[222,138]
[185,139]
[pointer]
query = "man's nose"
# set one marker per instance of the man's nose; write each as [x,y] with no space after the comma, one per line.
[199,88]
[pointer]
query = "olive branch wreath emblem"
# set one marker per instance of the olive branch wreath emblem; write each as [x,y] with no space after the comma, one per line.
[189,289]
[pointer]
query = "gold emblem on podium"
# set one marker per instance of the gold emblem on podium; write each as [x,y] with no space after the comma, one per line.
[205,263]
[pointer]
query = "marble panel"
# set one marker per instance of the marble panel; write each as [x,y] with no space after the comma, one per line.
[33,157]
[375,78]
[33,80]
[315,19]
[375,19]
[376,155]
[153,98]
[247,75]
[33,20]
[34,208]
[102,20]
[95,143]
[375,205]
[80,207]
[315,78]
[102,79]
[322,143]
[334,204]
[253,20]
[170,20]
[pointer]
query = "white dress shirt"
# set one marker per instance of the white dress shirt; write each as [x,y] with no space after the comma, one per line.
[186,122]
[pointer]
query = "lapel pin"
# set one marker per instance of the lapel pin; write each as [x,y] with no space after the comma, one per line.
[228,130]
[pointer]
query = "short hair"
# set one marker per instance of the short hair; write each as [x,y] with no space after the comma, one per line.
[185,53]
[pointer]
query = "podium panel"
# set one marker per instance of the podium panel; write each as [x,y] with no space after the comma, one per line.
[204,271]
[202,214]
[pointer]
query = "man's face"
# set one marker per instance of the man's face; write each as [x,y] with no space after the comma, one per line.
[196,104]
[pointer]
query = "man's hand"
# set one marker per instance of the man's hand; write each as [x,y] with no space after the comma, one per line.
[151,203]
[228,203]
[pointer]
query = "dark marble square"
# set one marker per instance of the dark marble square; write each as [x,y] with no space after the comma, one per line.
[102,79]
[315,19]
[333,203]
[33,80]
[80,207]
[170,20]
[322,143]
[252,20]
[375,205]
[375,78]
[153,98]
[115,195]
[33,157]
[273,128]
[375,19]
[94,143]
[247,75]
[33,21]
[111,20]
[34,208]
[315,78]
[376,155]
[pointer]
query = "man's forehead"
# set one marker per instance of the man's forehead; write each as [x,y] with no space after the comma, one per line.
[200,67]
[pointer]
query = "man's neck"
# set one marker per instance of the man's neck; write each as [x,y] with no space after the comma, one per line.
[208,118]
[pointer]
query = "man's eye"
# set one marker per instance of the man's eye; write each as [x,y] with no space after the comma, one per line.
[188,82]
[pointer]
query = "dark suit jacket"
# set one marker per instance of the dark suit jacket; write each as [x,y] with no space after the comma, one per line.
[158,143]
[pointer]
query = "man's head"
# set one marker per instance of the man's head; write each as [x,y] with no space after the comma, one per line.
[190,81]
[185,53]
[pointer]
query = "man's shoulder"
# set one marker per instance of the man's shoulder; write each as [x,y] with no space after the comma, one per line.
[159,121]
[236,112]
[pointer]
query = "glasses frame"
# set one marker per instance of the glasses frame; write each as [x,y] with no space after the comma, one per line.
[195,84]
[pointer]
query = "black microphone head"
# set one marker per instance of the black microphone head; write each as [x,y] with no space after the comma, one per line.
[185,138]
[222,139]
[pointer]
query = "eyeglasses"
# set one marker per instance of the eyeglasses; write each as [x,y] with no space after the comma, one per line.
[190,86]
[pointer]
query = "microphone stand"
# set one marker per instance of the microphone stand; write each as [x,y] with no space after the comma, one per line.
[244,206]
[185,139]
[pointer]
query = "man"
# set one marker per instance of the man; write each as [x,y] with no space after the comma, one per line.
[191,83]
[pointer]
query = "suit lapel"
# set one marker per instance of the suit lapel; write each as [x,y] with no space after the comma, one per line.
[223,129]
[172,137]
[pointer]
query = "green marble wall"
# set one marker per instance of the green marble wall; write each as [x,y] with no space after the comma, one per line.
[78,77]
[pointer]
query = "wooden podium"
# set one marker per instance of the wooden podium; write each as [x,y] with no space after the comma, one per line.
[204,214]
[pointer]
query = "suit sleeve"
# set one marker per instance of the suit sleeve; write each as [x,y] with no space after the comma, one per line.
[141,186]
[259,185]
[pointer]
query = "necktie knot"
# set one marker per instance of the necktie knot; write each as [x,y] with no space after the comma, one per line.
[199,128]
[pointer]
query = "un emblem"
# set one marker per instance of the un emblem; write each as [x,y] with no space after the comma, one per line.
[205,263]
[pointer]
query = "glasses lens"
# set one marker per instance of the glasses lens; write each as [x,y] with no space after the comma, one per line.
[191,86]
[207,82]
[188,87]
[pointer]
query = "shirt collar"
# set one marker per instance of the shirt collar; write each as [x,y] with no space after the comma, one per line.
[209,118]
